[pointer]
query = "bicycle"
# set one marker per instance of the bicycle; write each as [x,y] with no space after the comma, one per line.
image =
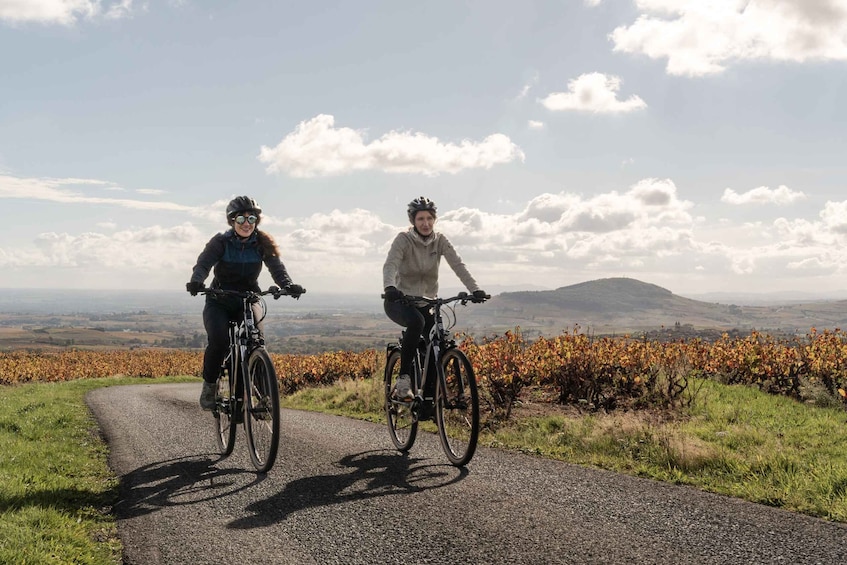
[456,401]
[247,366]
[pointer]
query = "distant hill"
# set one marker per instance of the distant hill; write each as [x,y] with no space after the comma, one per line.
[619,305]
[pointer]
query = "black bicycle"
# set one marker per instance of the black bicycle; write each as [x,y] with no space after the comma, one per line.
[456,401]
[247,387]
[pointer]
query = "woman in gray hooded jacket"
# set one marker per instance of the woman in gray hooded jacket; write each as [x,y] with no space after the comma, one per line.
[412,268]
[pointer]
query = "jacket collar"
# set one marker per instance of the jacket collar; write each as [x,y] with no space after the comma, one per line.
[230,234]
[420,239]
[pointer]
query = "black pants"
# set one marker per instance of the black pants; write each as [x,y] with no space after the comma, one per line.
[418,322]
[216,317]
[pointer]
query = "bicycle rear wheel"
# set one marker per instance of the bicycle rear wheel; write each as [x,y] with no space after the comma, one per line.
[261,410]
[457,408]
[402,427]
[223,412]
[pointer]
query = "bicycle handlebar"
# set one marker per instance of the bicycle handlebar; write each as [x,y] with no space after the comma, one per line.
[462,297]
[273,290]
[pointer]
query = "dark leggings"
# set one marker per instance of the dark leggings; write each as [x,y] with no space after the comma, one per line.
[417,321]
[216,316]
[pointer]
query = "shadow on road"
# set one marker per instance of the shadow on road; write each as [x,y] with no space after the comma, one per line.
[366,475]
[185,480]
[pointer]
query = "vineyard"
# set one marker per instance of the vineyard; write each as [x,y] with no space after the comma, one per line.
[573,368]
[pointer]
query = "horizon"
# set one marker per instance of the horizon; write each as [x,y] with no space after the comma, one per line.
[697,149]
[123,300]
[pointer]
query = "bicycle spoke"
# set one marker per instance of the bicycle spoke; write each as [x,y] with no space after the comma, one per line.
[262,421]
[402,427]
[457,408]
[224,422]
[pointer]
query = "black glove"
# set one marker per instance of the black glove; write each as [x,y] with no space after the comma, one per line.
[294,290]
[392,294]
[480,295]
[194,287]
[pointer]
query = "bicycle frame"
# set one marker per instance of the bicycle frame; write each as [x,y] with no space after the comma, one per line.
[244,337]
[438,343]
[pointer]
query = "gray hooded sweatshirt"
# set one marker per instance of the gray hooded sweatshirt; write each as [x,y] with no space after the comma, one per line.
[412,264]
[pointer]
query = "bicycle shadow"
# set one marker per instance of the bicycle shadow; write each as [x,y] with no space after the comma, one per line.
[372,474]
[181,481]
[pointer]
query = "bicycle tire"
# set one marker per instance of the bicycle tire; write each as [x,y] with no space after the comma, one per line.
[457,408]
[402,426]
[225,425]
[261,410]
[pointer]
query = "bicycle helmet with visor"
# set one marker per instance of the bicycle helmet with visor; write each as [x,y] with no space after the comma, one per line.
[420,204]
[242,204]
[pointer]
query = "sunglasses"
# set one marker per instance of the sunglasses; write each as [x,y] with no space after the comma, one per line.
[251,219]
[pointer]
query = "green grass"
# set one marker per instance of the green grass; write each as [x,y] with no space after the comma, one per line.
[56,490]
[733,440]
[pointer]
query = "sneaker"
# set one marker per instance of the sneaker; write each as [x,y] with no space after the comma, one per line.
[207,397]
[403,388]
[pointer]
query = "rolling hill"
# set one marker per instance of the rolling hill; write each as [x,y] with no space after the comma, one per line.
[624,305]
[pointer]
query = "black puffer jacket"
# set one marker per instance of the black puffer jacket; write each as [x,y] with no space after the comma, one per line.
[237,263]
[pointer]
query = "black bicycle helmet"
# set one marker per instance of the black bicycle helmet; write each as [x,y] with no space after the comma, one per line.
[420,204]
[242,204]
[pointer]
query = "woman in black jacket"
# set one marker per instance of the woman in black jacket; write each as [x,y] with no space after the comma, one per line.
[237,256]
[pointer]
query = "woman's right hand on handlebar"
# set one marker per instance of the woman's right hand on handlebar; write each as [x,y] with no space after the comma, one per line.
[195,287]
[392,294]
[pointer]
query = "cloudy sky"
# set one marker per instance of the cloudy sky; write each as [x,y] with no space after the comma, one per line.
[695,145]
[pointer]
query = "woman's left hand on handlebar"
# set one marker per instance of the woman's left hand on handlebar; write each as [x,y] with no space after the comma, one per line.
[294,290]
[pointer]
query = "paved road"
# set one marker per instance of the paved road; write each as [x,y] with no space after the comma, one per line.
[340,494]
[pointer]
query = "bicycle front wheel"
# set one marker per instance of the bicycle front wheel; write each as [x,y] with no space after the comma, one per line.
[457,408]
[402,426]
[224,412]
[261,410]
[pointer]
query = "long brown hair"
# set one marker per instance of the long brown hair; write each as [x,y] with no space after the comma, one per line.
[267,245]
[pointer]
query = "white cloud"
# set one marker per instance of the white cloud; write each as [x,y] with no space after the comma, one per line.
[700,38]
[645,230]
[144,250]
[763,195]
[593,92]
[535,124]
[527,87]
[567,224]
[351,233]
[798,247]
[317,148]
[834,217]
[54,190]
[62,12]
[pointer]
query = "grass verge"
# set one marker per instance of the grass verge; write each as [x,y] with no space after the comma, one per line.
[732,440]
[56,490]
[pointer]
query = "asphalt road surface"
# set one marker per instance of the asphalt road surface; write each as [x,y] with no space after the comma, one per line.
[340,493]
